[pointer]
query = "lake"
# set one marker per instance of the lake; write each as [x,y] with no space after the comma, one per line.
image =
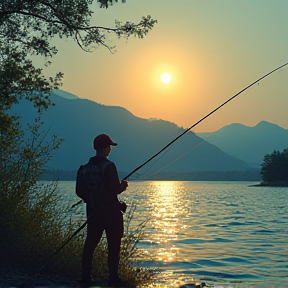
[220,233]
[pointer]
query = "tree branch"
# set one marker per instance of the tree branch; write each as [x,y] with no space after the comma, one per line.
[39,17]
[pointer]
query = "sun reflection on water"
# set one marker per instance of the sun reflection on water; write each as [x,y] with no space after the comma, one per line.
[165,210]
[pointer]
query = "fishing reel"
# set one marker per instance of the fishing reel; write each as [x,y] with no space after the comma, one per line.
[122,206]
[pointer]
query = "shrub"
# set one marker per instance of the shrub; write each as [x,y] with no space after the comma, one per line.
[33,231]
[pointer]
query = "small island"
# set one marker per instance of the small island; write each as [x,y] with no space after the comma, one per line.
[274,171]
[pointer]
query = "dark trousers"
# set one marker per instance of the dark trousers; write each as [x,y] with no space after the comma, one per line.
[110,220]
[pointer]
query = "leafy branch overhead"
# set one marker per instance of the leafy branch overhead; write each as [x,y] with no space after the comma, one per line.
[32,23]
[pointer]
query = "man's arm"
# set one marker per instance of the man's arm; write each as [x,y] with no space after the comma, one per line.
[112,180]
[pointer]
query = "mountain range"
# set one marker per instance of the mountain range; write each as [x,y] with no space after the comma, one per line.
[249,144]
[78,121]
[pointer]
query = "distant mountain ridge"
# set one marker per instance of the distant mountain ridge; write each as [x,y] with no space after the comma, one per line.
[250,144]
[65,94]
[78,121]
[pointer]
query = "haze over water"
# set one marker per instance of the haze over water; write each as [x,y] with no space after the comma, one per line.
[214,232]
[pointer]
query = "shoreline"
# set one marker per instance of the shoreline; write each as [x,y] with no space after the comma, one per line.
[270,184]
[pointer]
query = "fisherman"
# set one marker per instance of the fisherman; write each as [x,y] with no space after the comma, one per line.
[103,209]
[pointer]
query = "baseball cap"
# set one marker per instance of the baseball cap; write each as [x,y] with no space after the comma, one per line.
[102,141]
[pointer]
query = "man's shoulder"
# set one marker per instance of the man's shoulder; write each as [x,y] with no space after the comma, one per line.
[106,163]
[101,163]
[110,169]
[98,163]
[110,165]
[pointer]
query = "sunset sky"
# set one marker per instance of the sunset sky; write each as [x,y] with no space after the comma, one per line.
[212,49]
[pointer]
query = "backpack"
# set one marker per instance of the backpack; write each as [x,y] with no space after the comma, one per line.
[90,185]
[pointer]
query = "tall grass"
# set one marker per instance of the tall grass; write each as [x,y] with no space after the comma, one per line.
[32,231]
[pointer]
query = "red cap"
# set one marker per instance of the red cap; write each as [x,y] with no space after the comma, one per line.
[102,141]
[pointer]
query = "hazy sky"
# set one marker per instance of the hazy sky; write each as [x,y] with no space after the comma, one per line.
[212,49]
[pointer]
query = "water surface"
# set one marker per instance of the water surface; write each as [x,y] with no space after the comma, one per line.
[216,232]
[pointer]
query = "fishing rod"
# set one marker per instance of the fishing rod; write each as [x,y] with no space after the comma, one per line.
[160,151]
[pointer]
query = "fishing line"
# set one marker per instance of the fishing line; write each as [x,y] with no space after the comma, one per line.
[164,148]
[203,140]
[151,166]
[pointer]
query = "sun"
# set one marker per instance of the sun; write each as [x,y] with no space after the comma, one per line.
[166,78]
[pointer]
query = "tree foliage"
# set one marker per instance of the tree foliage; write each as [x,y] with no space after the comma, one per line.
[27,27]
[275,167]
[28,214]
[32,23]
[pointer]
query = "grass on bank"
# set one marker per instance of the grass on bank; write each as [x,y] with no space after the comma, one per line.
[31,230]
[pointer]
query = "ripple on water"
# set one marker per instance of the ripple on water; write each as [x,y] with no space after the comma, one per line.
[209,263]
[199,240]
[235,260]
[220,275]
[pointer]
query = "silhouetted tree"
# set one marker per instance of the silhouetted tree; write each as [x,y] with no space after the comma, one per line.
[275,167]
[26,29]
[27,26]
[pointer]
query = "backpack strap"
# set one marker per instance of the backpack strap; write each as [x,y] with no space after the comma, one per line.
[102,169]
[104,165]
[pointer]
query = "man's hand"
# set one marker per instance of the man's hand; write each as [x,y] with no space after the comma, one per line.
[124,184]
[122,187]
